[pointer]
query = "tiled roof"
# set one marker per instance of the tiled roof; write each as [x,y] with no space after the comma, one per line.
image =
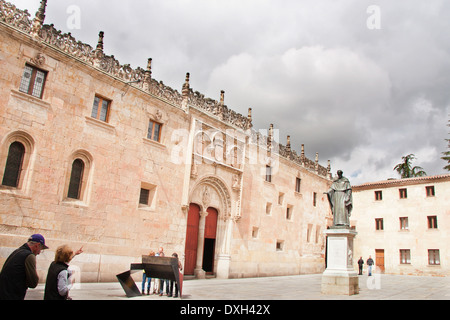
[402,182]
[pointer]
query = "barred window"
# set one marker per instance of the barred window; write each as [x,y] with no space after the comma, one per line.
[33,81]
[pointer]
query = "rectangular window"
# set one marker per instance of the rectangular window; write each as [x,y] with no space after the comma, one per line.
[255,232]
[317,233]
[100,109]
[147,196]
[430,191]
[432,222]
[280,245]
[33,81]
[154,131]
[289,212]
[298,182]
[309,233]
[268,208]
[378,195]
[403,194]
[405,256]
[314,199]
[280,198]
[379,224]
[404,223]
[268,173]
[433,257]
[144,197]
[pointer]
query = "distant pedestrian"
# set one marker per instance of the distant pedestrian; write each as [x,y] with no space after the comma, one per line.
[147,278]
[360,264]
[180,267]
[59,279]
[370,264]
[19,271]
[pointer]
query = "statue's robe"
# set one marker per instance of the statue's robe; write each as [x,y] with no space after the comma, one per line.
[341,201]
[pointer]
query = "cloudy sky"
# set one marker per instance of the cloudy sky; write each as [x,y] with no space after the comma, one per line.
[361,82]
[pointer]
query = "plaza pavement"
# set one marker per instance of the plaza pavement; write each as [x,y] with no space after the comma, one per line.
[302,287]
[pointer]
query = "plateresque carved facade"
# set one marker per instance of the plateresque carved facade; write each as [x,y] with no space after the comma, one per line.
[96,154]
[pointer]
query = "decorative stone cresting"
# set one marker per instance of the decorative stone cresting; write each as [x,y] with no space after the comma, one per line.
[141,78]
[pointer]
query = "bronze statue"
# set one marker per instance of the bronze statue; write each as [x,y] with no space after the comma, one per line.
[341,201]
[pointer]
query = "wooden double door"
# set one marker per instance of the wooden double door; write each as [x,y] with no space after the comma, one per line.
[206,245]
[379,259]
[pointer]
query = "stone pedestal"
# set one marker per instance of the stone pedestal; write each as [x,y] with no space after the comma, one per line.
[339,276]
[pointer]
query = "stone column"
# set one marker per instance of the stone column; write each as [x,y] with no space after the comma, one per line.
[340,276]
[224,258]
[198,271]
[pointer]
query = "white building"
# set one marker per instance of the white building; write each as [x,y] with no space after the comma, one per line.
[404,224]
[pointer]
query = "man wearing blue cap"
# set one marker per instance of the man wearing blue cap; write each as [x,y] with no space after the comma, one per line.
[19,271]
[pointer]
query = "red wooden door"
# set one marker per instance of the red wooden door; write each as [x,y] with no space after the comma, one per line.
[211,224]
[191,239]
[210,240]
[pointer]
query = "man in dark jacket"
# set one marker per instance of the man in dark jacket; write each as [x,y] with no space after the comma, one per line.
[19,271]
[360,264]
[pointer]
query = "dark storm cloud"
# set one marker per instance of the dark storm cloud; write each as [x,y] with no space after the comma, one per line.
[361,97]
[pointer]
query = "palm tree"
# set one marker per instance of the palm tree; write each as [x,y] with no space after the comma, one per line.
[406,170]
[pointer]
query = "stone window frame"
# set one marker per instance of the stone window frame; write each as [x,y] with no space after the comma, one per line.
[31,85]
[151,198]
[24,180]
[86,180]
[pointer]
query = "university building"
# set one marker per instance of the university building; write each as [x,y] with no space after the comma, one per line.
[403,224]
[96,154]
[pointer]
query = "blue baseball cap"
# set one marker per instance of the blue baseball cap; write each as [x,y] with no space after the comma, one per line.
[38,238]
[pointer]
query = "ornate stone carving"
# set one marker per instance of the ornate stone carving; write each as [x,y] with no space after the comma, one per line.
[15,17]
[39,60]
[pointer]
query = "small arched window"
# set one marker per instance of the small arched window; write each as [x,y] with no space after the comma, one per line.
[14,163]
[76,179]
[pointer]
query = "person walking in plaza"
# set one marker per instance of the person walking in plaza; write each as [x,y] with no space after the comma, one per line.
[59,279]
[360,264]
[147,278]
[19,271]
[370,264]
[162,281]
[180,267]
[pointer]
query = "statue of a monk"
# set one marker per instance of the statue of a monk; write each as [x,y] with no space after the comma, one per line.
[341,201]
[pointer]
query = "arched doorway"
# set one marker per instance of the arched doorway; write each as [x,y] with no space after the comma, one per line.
[210,240]
[191,239]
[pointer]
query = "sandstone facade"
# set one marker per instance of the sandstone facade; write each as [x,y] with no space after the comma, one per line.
[158,167]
